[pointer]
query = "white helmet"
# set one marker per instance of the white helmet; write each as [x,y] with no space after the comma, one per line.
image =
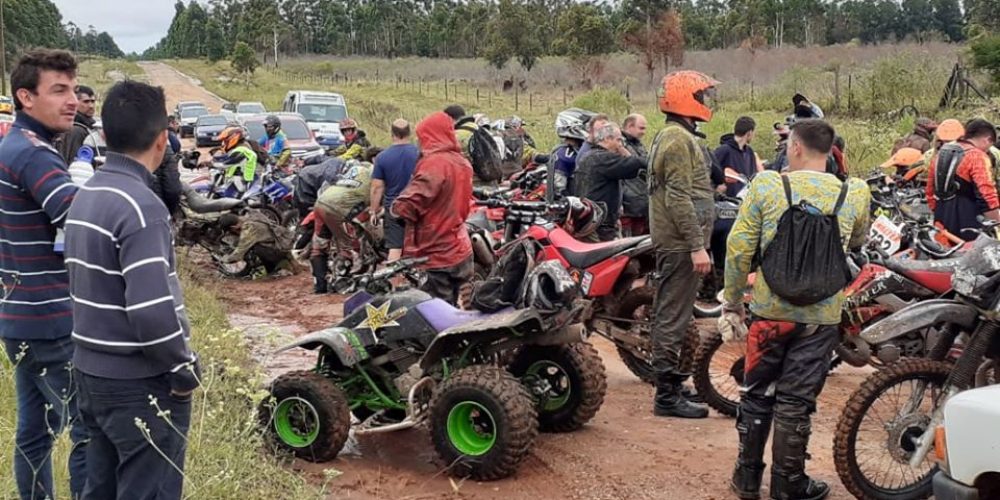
[572,123]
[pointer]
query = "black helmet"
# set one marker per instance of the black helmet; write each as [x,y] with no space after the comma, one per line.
[549,287]
[272,122]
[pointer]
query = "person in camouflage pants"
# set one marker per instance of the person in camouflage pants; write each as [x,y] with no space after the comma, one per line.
[681,212]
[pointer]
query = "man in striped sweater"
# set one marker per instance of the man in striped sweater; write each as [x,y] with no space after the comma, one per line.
[136,370]
[35,310]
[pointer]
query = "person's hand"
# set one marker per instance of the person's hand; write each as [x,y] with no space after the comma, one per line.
[702,264]
[731,326]
[721,188]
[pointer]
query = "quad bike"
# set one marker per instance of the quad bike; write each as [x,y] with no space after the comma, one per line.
[483,383]
[880,287]
[891,424]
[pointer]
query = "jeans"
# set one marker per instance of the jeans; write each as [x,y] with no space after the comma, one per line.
[44,377]
[122,461]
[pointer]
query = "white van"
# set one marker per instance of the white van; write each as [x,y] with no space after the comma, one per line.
[323,112]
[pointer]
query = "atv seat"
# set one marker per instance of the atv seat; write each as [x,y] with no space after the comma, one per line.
[198,203]
[442,315]
[583,255]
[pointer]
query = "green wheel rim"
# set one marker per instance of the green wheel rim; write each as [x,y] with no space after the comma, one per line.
[471,428]
[296,422]
[558,379]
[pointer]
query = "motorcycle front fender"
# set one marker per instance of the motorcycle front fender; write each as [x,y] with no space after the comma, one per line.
[919,316]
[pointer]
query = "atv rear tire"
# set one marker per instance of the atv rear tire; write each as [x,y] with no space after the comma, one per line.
[309,417]
[575,374]
[632,306]
[483,423]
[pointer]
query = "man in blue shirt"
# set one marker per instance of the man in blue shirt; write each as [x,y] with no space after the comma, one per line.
[393,169]
[36,315]
[275,141]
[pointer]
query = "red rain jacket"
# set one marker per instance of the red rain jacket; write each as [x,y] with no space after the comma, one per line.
[435,203]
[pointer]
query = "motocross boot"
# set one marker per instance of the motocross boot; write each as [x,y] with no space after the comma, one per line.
[318,264]
[753,430]
[669,400]
[788,476]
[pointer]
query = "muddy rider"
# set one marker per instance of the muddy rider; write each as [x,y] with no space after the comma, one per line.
[681,212]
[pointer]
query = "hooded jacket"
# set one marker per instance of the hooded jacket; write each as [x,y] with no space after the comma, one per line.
[436,202]
[729,155]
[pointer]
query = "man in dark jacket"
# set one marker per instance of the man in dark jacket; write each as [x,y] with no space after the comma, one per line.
[635,193]
[435,205]
[600,173]
[166,181]
[734,153]
[83,124]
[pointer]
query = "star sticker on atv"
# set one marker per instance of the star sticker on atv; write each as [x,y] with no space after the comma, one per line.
[380,317]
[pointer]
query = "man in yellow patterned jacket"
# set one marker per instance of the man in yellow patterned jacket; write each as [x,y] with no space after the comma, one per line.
[681,211]
[788,346]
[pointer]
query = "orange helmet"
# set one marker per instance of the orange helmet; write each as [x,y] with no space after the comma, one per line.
[230,137]
[950,130]
[683,94]
[905,157]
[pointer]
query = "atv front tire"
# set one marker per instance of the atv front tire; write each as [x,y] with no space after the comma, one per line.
[483,423]
[575,376]
[309,417]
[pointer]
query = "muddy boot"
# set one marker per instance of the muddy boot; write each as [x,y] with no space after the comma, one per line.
[691,394]
[670,402]
[318,264]
[788,474]
[753,430]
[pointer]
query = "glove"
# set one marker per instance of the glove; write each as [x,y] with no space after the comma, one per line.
[731,323]
[541,159]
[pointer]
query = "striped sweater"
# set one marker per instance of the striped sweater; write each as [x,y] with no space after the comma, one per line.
[35,194]
[128,309]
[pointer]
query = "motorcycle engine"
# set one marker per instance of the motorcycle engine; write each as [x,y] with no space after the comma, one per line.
[910,347]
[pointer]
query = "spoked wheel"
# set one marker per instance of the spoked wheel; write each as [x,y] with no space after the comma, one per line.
[637,305]
[718,373]
[309,417]
[877,434]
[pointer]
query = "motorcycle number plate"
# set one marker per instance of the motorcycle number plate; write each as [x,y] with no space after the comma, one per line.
[727,213]
[886,234]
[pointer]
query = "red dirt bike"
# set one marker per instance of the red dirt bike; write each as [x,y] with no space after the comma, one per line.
[881,286]
[617,303]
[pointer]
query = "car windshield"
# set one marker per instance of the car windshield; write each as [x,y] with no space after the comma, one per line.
[193,112]
[322,112]
[211,120]
[251,108]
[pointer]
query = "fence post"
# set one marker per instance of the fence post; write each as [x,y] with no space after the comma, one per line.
[836,89]
[446,89]
[751,96]
[531,103]
[564,97]
[515,97]
[850,94]
[477,95]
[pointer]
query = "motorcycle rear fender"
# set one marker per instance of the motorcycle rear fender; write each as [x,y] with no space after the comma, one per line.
[524,323]
[342,341]
[919,316]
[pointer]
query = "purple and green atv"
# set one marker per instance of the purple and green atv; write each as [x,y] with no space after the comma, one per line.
[484,384]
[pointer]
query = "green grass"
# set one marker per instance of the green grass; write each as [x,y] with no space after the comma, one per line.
[226,456]
[101,74]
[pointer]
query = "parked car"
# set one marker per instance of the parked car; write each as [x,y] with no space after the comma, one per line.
[300,139]
[970,446]
[6,121]
[207,128]
[189,116]
[6,105]
[187,104]
[246,110]
[323,111]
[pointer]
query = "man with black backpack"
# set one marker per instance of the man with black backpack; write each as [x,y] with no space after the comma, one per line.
[960,184]
[480,148]
[799,224]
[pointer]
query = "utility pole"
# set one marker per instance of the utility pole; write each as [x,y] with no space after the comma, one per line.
[3,52]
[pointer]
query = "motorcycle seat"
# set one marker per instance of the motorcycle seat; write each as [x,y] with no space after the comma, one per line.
[583,255]
[932,274]
[198,203]
[442,315]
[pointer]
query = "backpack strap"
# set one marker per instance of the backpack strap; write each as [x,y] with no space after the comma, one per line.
[840,199]
[788,189]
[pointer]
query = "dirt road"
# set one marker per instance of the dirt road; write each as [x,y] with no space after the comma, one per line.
[625,453]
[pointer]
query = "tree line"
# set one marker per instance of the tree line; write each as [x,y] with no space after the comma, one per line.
[38,23]
[522,30]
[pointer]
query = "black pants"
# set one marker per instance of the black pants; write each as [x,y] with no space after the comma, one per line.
[445,283]
[122,461]
[786,367]
[676,289]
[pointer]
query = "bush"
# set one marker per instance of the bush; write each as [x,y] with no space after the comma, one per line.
[986,56]
[603,100]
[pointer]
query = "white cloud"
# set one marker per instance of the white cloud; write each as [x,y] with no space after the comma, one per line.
[135,25]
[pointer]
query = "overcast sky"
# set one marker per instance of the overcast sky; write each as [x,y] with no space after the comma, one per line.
[135,25]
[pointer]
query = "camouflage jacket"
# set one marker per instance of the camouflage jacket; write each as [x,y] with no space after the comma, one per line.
[680,193]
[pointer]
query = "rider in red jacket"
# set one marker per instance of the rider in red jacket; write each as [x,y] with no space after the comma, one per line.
[435,205]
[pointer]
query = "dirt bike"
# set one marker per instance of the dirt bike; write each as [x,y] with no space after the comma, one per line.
[880,286]
[198,226]
[271,192]
[890,425]
[404,360]
[611,276]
